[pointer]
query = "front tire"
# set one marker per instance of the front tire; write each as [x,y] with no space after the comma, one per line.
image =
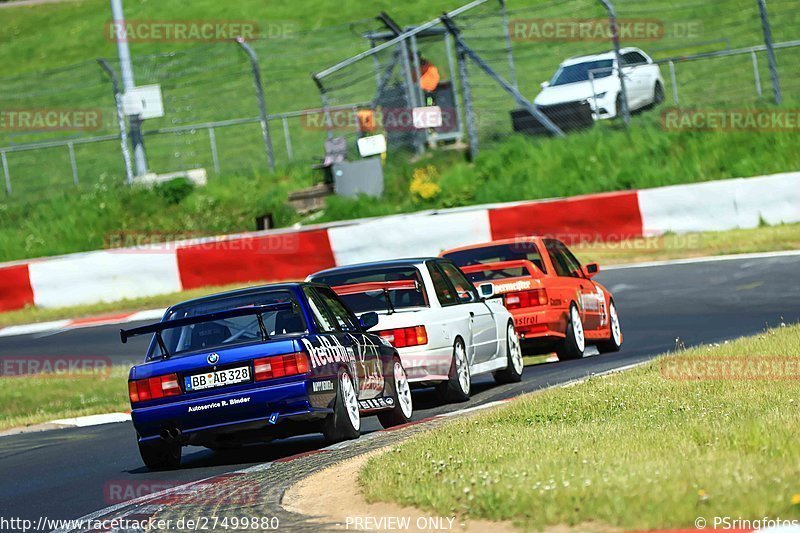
[457,388]
[513,372]
[614,343]
[574,345]
[658,94]
[160,455]
[345,421]
[403,405]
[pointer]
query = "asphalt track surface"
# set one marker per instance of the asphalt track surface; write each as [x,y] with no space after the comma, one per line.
[72,472]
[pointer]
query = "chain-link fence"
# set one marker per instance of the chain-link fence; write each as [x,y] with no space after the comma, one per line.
[488,69]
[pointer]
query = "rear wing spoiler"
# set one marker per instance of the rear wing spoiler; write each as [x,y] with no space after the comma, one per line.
[360,288]
[158,327]
[532,269]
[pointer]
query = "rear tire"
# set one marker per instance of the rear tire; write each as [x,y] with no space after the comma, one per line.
[160,455]
[614,343]
[457,388]
[403,407]
[513,372]
[574,345]
[344,423]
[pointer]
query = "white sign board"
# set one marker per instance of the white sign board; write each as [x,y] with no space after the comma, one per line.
[427,117]
[144,101]
[374,145]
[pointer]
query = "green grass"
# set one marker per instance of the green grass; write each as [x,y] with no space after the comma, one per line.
[33,399]
[514,169]
[634,450]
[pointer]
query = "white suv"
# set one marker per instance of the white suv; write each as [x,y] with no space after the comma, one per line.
[595,79]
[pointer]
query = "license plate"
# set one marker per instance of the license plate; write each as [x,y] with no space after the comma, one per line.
[220,378]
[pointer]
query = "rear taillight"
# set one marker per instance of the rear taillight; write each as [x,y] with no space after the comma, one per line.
[517,300]
[405,337]
[280,366]
[142,390]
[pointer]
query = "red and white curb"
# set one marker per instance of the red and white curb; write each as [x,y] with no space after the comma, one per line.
[76,323]
[294,253]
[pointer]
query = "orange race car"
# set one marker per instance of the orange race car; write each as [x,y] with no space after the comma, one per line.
[555,304]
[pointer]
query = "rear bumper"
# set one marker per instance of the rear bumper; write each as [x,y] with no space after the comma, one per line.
[262,407]
[539,324]
[423,364]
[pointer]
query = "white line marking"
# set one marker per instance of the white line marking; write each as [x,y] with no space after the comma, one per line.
[28,329]
[93,420]
[707,259]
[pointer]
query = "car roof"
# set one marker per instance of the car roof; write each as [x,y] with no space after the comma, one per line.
[594,57]
[413,261]
[242,292]
[513,240]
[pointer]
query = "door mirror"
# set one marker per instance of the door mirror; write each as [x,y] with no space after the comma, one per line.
[368,320]
[591,270]
[545,84]
[486,290]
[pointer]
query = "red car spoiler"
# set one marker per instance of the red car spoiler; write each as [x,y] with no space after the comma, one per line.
[359,288]
[532,269]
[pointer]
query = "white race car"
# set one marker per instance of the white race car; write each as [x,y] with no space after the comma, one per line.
[444,330]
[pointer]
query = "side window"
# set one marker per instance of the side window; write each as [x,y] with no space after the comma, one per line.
[465,291]
[324,318]
[341,313]
[633,58]
[444,293]
[561,261]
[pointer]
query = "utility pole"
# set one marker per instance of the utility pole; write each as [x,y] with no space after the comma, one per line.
[128,83]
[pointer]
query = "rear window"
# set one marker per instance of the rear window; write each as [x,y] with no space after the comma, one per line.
[498,254]
[376,300]
[230,331]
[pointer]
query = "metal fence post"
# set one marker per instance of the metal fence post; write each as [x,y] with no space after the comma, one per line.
[288,139]
[448,43]
[73,163]
[212,139]
[6,175]
[612,18]
[410,91]
[674,81]
[773,65]
[463,75]
[509,48]
[262,104]
[123,134]
[756,74]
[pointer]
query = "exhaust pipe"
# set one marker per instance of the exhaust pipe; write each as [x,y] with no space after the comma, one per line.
[171,434]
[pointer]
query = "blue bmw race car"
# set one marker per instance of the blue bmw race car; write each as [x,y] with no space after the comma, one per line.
[261,363]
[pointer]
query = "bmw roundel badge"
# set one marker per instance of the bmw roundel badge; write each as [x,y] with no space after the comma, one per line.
[213,358]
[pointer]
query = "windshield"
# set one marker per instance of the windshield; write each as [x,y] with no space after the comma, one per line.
[375,300]
[229,331]
[499,253]
[580,72]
